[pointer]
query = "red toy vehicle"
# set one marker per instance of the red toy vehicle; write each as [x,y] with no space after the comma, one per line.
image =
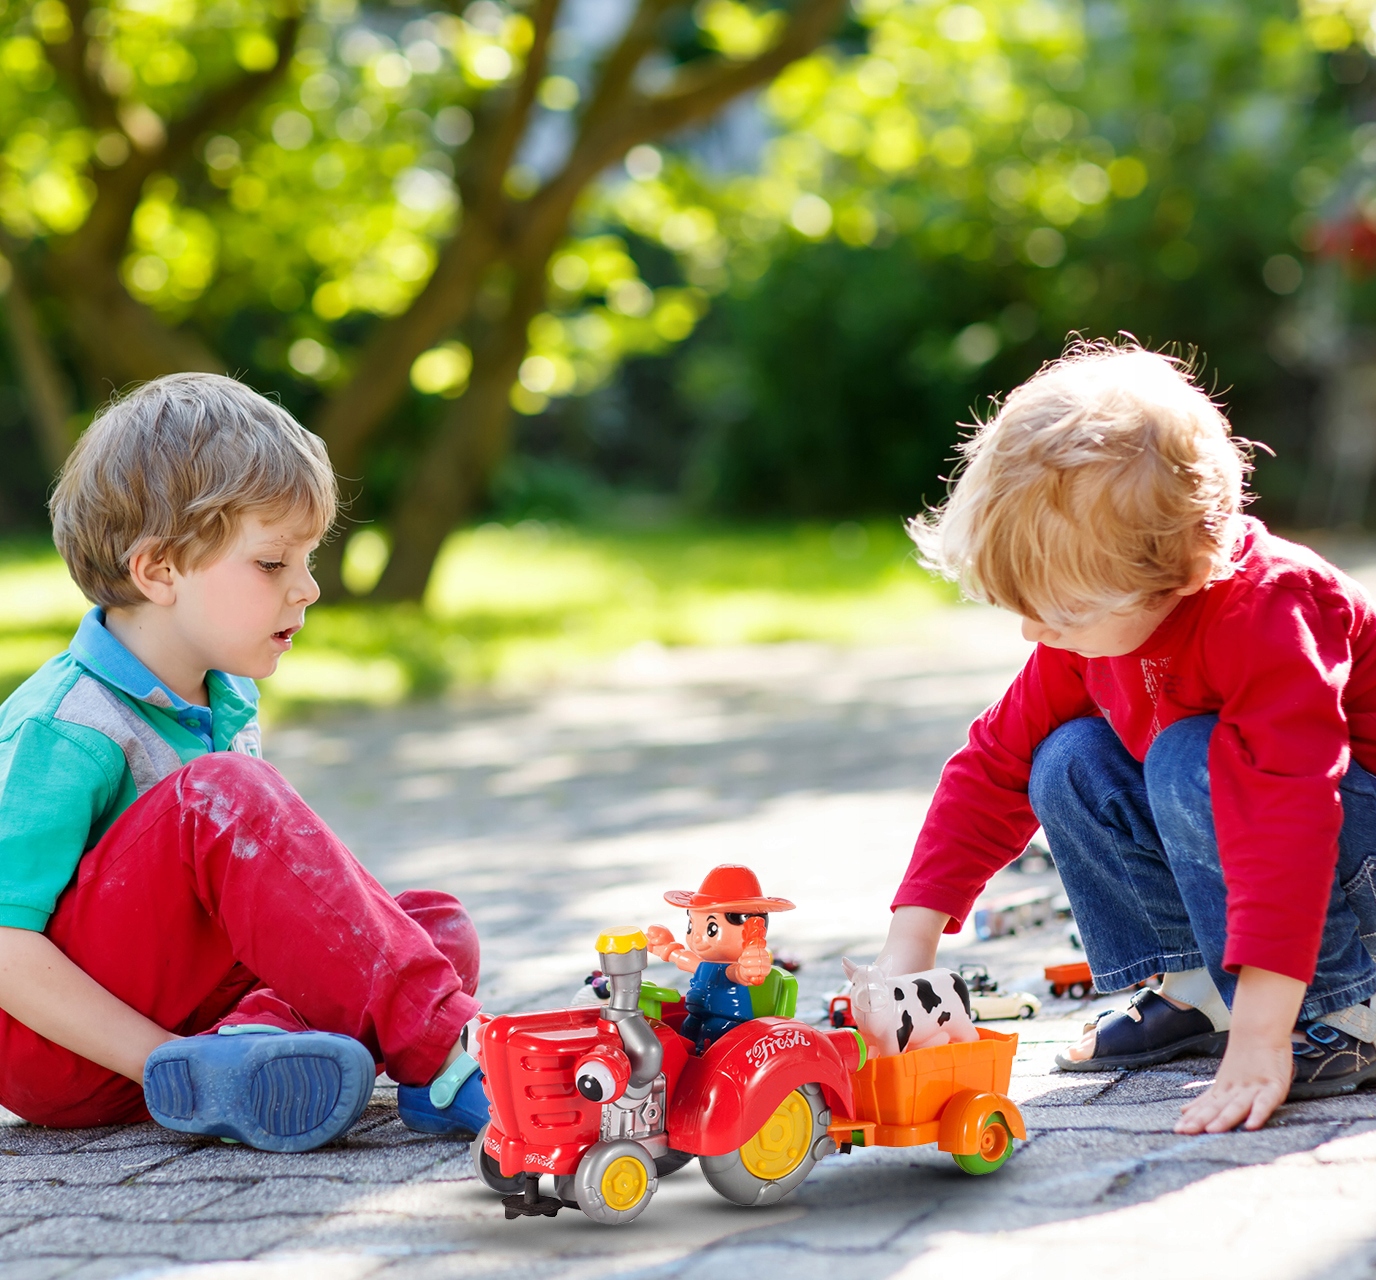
[609,1100]
[1072,979]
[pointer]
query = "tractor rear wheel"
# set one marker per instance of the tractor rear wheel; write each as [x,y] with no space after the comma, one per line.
[779,1156]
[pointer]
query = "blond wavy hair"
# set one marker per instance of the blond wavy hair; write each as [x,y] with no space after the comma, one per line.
[1097,486]
[171,468]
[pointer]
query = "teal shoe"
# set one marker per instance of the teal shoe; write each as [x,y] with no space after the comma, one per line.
[454,1104]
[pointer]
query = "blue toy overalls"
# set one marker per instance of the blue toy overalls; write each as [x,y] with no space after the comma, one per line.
[714,1004]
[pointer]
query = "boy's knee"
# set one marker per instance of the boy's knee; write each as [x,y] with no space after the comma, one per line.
[450,927]
[219,778]
[1055,760]
[1177,765]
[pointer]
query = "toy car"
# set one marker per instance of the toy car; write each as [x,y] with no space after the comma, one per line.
[988,1003]
[1004,1004]
[609,1100]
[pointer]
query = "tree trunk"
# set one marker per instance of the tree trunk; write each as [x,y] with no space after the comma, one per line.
[45,385]
[121,340]
[454,474]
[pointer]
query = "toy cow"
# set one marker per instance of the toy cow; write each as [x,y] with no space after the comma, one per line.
[911,1010]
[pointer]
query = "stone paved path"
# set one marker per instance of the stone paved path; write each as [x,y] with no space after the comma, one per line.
[553,815]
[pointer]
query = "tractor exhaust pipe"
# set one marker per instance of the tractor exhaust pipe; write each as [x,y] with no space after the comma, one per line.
[623,955]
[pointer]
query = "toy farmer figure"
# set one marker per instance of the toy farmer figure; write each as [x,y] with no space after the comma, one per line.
[726,954]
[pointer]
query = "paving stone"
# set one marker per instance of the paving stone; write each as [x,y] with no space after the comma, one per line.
[349,1164]
[40,1268]
[776,758]
[140,1135]
[142,1203]
[81,1237]
[120,1268]
[98,1168]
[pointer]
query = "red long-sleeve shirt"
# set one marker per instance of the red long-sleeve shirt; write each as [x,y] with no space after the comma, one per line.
[1284,651]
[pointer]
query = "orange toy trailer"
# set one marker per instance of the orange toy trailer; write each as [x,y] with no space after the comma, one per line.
[955,1095]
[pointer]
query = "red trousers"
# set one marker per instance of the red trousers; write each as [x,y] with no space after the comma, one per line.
[219,896]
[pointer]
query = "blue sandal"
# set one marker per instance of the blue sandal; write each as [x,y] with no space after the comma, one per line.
[267,1088]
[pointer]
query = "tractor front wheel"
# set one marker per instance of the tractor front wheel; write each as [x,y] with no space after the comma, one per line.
[490,1172]
[779,1156]
[614,1181]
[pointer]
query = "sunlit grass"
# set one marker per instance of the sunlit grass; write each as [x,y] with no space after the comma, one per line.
[529,602]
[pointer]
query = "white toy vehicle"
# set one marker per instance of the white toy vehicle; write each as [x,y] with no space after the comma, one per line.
[988,1003]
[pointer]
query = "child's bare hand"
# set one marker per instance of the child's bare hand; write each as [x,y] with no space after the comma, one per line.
[1251,1083]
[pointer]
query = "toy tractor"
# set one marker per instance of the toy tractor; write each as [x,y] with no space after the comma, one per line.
[609,1100]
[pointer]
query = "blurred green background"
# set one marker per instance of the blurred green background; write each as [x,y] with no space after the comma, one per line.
[736,271]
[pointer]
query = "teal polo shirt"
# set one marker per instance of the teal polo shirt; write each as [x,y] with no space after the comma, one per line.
[83,738]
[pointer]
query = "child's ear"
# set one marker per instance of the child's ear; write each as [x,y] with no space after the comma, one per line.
[1198,579]
[152,573]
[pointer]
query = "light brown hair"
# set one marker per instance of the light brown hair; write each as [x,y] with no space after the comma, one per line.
[171,468]
[1098,485]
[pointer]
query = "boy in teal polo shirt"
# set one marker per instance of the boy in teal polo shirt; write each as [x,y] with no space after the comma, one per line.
[179,934]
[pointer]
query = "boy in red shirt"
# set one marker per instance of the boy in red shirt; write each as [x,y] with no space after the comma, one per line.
[1194,732]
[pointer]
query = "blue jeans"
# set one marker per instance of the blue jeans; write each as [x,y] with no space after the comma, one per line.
[1137,853]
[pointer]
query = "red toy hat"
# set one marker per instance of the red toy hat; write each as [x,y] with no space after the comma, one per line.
[728,888]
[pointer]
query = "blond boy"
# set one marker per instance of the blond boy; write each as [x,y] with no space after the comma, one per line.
[1195,731]
[172,915]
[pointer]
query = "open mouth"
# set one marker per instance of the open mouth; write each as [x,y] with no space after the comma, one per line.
[285,634]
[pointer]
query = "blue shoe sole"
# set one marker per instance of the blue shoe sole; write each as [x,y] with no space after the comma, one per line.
[291,1092]
[461,1118]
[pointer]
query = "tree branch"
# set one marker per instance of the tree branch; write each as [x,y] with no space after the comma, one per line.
[71,58]
[509,124]
[222,105]
[699,92]
[118,191]
[618,71]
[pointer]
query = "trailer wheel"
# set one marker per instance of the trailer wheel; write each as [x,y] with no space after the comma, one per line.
[614,1181]
[1079,990]
[490,1172]
[995,1146]
[779,1156]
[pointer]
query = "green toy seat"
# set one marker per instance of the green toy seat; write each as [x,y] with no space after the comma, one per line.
[776,996]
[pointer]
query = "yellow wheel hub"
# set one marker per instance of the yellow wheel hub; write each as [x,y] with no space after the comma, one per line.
[625,1183]
[782,1143]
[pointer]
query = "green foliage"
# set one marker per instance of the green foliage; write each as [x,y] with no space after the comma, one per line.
[525,602]
[938,213]
[928,207]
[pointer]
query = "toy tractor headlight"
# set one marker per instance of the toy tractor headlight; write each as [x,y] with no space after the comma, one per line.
[602,1074]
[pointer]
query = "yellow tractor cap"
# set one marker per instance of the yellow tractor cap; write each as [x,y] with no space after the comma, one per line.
[620,941]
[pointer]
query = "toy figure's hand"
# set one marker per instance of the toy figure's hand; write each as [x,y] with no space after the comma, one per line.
[659,939]
[754,965]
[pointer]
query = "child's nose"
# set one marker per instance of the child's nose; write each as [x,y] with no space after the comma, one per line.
[1036,632]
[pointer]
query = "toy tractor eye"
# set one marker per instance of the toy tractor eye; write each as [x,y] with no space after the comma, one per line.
[712,929]
[595,1081]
